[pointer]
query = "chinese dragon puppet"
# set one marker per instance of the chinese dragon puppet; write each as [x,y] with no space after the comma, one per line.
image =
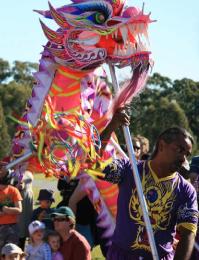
[71,103]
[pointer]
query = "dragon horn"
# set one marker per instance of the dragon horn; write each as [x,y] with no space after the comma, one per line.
[46,14]
[52,35]
[58,18]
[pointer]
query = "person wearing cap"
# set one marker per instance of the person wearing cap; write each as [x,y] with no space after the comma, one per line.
[12,252]
[10,208]
[74,246]
[37,249]
[42,213]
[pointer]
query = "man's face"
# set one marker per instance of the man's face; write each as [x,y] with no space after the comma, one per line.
[176,153]
[61,224]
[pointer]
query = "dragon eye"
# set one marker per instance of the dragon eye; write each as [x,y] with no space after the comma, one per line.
[100,18]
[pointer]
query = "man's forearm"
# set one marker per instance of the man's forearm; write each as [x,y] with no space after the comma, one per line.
[185,247]
[12,210]
[106,134]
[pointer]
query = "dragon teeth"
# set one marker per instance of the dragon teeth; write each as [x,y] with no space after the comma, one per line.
[116,33]
[131,28]
[129,50]
[142,27]
[145,33]
[124,33]
[139,32]
[115,51]
[119,52]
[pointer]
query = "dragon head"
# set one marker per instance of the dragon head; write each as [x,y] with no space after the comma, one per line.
[93,32]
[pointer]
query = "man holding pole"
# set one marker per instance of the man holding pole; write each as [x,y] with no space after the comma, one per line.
[171,200]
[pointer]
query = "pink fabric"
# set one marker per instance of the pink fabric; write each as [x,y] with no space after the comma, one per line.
[130,89]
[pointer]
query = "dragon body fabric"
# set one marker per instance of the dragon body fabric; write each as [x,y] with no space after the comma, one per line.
[70,103]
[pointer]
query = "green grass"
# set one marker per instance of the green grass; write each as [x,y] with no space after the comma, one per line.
[41,176]
[96,252]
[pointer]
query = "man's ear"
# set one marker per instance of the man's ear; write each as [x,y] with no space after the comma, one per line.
[161,145]
[72,223]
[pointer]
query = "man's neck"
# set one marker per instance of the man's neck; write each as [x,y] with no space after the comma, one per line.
[161,170]
[66,235]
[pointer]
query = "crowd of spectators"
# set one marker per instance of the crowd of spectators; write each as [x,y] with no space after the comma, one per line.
[59,232]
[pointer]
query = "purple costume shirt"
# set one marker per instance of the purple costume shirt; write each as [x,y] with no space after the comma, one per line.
[171,203]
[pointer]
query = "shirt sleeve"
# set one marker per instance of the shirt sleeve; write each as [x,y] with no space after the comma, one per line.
[187,215]
[81,251]
[115,171]
[16,195]
[47,252]
[27,251]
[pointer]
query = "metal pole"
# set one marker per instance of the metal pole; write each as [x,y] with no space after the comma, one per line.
[119,149]
[196,245]
[132,159]
[19,160]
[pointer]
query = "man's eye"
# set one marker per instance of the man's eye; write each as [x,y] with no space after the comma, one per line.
[179,150]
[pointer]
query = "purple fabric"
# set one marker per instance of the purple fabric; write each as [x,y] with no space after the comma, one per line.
[57,256]
[170,202]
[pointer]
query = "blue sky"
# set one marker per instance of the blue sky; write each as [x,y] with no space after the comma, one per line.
[174,37]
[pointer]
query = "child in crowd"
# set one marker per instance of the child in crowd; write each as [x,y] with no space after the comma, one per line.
[37,249]
[54,240]
[44,210]
[12,252]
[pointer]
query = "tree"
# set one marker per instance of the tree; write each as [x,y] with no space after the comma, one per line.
[158,116]
[186,92]
[5,70]
[4,136]
[15,89]
[14,97]
[22,72]
[160,82]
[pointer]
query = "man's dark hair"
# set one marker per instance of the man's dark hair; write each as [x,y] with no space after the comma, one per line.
[169,136]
